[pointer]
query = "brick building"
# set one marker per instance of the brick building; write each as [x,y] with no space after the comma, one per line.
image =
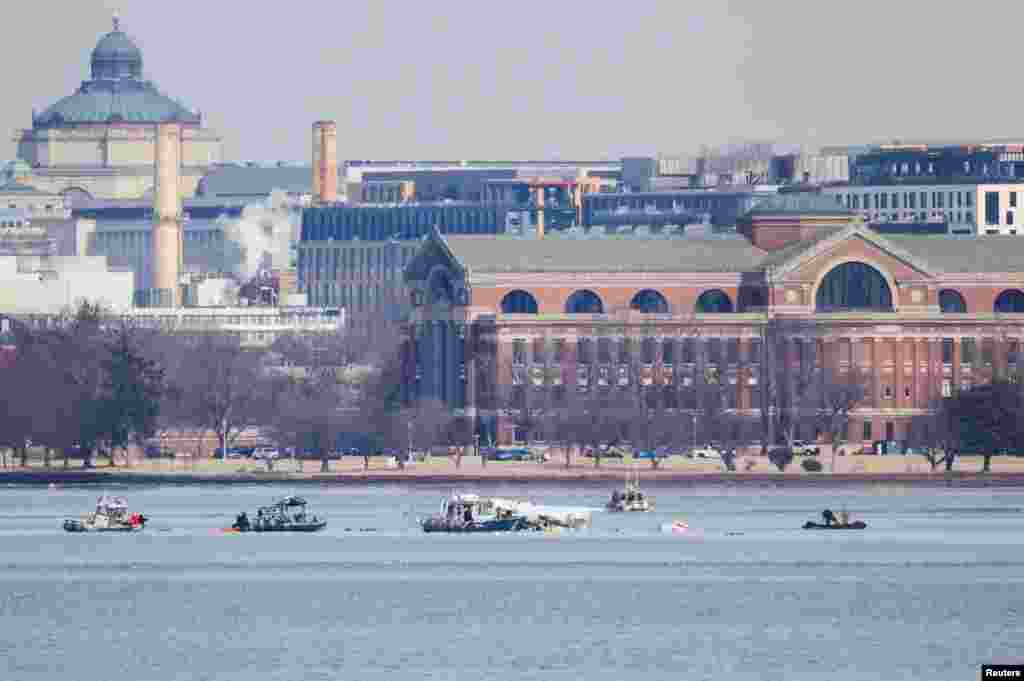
[916,315]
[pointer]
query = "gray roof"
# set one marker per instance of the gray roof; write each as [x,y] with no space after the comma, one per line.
[799,203]
[256,181]
[956,254]
[610,254]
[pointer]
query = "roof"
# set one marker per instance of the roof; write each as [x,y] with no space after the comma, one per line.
[116,56]
[799,204]
[101,101]
[964,254]
[116,91]
[248,181]
[482,253]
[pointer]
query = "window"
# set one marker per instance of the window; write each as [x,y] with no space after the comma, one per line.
[947,350]
[939,199]
[668,351]
[754,351]
[890,431]
[906,392]
[968,199]
[626,351]
[895,200]
[648,350]
[1013,199]
[885,201]
[583,351]
[714,350]
[912,200]
[604,350]
[887,392]
[1009,217]
[947,388]
[689,350]
[967,351]
[1012,350]
[988,351]
[559,350]
[991,208]
[867,431]
[539,348]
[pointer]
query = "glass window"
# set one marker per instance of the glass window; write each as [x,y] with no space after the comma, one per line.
[539,354]
[668,351]
[519,351]
[987,351]
[924,199]
[626,351]
[967,351]
[991,208]
[867,431]
[689,350]
[604,350]
[732,351]
[559,350]
[754,351]
[1012,350]
[968,199]
[947,350]
[1013,199]
[895,200]
[647,350]
[583,351]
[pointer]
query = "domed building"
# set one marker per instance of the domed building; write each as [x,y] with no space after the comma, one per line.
[99,142]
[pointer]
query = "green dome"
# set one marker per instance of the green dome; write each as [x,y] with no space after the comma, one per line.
[116,92]
[116,56]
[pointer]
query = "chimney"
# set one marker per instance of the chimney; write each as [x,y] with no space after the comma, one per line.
[325,162]
[167,237]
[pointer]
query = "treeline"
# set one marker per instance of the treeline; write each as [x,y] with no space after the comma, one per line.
[90,385]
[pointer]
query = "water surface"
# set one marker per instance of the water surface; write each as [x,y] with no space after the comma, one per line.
[933,589]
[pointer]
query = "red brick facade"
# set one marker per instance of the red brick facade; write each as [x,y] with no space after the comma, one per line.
[909,355]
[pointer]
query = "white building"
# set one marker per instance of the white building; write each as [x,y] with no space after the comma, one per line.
[971,208]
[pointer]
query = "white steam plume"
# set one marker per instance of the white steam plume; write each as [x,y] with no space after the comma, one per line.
[260,237]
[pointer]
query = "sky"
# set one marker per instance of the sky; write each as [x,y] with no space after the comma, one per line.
[480,79]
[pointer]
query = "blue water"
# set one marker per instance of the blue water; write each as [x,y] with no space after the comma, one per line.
[932,590]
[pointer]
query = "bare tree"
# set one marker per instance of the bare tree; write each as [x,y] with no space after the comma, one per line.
[838,393]
[222,381]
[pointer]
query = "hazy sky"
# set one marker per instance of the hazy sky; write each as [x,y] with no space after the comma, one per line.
[556,79]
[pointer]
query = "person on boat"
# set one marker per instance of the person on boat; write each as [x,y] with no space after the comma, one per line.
[828,516]
[844,518]
[241,522]
[468,516]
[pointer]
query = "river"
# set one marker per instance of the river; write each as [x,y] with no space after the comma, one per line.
[933,589]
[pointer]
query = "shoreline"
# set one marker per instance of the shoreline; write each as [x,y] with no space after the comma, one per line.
[652,478]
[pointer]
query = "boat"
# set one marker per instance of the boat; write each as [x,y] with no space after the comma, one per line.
[286,515]
[858,525]
[473,513]
[111,515]
[629,499]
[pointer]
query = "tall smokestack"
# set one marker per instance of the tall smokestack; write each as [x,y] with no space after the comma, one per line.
[167,237]
[325,161]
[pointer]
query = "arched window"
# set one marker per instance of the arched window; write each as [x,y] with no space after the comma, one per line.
[441,288]
[752,297]
[518,302]
[951,301]
[854,286]
[649,301]
[1011,300]
[584,302]
[714,300]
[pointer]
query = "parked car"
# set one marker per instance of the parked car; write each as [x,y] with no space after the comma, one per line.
[606,452]
[706,452]
[801,448]
[511,454]
[264,453]
[157,452]
[234,452]
[650,454]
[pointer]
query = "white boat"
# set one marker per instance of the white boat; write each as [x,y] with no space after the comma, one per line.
[111,515]
[630,499]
